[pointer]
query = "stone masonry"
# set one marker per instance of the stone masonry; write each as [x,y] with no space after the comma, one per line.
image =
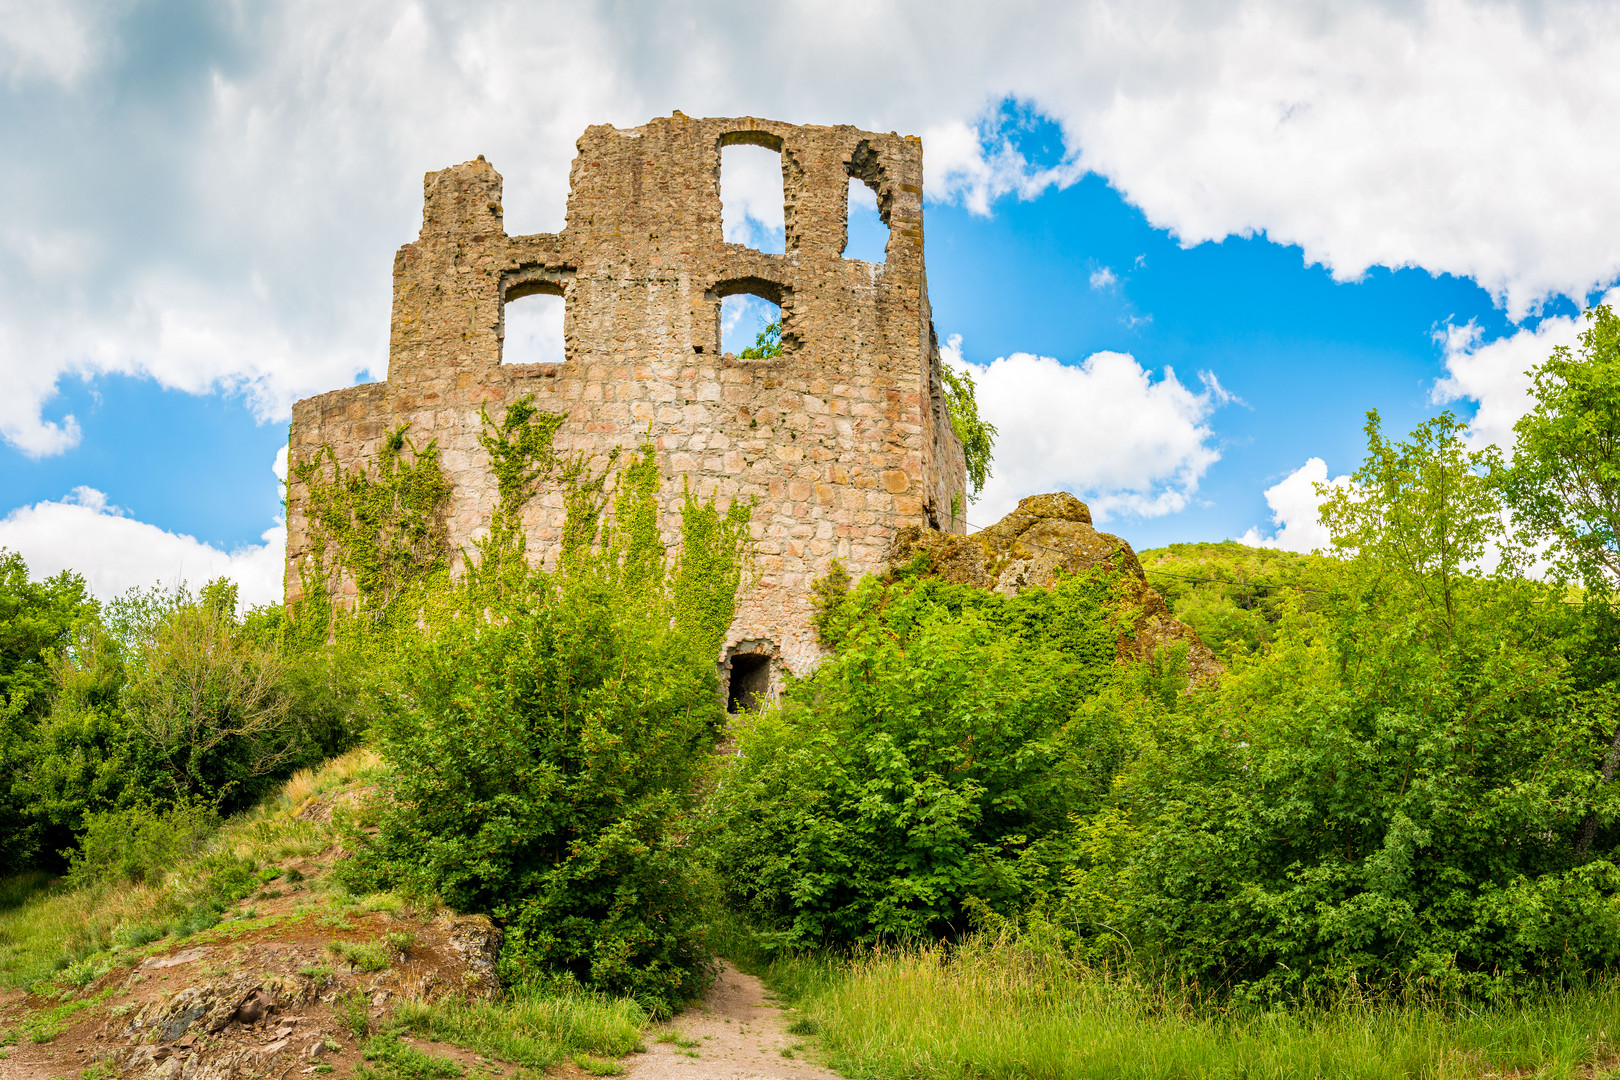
[842,440]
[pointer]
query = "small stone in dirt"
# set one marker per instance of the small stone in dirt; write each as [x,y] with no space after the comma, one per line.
[253,1008]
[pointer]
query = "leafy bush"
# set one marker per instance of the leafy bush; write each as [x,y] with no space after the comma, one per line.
[547,738]
[165,698]
[37,618]
[1392,795]
[140,843]
[930,766]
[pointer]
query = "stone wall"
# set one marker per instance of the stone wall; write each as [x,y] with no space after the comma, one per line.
[843,440]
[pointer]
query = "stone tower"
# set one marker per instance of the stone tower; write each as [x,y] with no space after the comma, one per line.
[843,439]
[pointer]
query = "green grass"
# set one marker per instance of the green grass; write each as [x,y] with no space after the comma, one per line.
[995,1009]
[389,1059]
[677,1038]
[598,1066]
[361,955]
[46,1025]
[532,1027]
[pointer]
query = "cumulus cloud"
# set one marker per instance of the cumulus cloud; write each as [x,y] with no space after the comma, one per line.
[1493,374]
[51,41]
[85,533]
[751,200]
[978,163]
[1105,430]
[218,209]
[1103,279]
[1294,506]
[114,552]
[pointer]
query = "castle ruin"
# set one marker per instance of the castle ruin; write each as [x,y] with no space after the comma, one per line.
[843,439]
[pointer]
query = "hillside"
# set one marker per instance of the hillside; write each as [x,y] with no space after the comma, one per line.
[1233,594]
[249,959]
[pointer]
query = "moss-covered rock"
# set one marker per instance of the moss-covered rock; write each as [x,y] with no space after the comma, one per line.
[1045,537]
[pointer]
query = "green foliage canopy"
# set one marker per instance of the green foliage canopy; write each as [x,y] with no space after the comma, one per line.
[1392,794]
[978,436]
[1564,484]
[547,739]
[929,766]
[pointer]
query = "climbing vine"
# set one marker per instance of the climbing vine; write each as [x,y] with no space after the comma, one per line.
[385,527]
[712,562]
[977,436]
[521,454]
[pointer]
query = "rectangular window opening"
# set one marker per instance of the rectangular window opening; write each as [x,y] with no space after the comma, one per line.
[750,684]
[750,327]
[751,198]
[534,330]
[867,237]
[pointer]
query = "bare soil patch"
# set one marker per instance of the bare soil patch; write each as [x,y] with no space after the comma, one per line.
[736,1032]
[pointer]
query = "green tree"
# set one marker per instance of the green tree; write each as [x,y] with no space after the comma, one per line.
[1387,798]
[36,617]
[978,436]
[1564,485]
[767,343]
[1420,513]
[926,770]
[37,621]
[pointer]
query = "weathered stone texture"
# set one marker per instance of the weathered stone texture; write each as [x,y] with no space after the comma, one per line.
[843,440]
[1045,536]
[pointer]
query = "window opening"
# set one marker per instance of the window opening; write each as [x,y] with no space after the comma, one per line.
[867,237]
[750,682]
[534,330]
[750,327]
[751,198]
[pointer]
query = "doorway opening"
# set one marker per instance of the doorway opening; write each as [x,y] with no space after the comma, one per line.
[750,684]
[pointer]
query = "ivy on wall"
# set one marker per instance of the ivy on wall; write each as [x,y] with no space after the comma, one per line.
[384,527]
[521,454]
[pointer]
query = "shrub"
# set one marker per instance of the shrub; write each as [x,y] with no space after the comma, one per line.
[931,766]
[1393,795]
[140,843]
[547,740]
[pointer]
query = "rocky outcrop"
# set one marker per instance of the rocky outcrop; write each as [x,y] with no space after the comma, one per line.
[1048,536]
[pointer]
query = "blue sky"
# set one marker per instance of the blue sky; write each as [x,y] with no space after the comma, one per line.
[1301,217]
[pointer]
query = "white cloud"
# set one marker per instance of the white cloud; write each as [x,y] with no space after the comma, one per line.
[220,211]
[534,331]
[977,165]
[1492,374]
[1104,430]
[53,40]
[1103,279]
[82,532]
[751,202]
[1294,506]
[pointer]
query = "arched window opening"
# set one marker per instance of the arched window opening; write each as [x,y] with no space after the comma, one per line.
[534,330]
[867,236]
[750,327]
[751,197]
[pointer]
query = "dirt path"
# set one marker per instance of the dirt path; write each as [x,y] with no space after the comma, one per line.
[735,1033]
